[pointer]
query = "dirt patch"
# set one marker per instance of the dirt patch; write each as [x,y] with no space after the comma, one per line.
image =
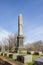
[2,62]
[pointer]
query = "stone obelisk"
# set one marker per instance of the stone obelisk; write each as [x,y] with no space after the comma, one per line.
[20,33]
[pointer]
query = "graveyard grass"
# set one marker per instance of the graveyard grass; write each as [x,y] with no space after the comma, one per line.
[34,57]
[31,63]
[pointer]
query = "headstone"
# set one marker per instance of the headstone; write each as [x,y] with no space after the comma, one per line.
[0,53]
[38,53]
[30,52]
[15,55]
[24,58]
[5,54]
[38,61]
[9,55]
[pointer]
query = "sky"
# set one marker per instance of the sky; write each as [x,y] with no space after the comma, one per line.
[32,14]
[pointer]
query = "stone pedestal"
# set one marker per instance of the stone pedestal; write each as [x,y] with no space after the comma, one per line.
[0,53]
[24,58]
[20,42]
[5,54]
[22,51]
[15,55]
[38,61]
[9,55]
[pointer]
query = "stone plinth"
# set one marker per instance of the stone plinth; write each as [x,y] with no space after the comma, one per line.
[22,51]
[38,61]
[30,52]
[38,53]
[10,54]
[1,53]
[5,54]
[20,42]
[15,56]
[34,52]
[24,58]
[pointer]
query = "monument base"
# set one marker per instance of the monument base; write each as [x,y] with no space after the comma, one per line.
[22,50]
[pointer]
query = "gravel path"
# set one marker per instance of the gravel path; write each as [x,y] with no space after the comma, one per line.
[8,62]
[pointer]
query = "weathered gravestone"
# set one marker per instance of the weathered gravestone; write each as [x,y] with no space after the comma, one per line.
[10,55]
[5,54]
[34,52]
[30,52]
[0,53]
[38,53]
[38,61]
[15,55]
[24,58]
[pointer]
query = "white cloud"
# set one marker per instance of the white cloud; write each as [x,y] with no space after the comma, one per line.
[35,34]
[3,33]
[36,31]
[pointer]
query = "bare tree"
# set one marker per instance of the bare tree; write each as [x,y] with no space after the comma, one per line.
[9,44]
[36,46]
[12,42]
[0,46]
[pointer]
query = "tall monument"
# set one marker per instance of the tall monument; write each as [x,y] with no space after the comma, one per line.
[20,27]
[20,33]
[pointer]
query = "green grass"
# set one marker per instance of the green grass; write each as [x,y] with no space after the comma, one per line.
[31,63]
[36,56]
[33,58]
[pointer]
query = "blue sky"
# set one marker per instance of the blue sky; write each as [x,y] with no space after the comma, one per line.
[32,12]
